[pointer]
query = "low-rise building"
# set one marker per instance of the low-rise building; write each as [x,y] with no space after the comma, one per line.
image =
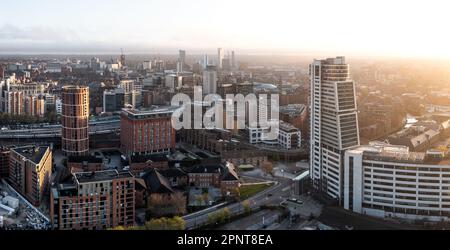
[176,177]
[84,164]
[289,136]
[222,143]
[222,176]
[140,163]
[417,138]
[295,114]
[245,156]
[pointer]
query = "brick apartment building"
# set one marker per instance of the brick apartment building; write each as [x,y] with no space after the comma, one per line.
[94,200]
[140,163]
[147,131]
[221,176]
[30,169]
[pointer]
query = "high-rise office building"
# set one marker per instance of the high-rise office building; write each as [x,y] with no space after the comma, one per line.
[182,56]
[179,67]
[147,65]
[210,80]
[205,61]
[173,81]
[233,61]
[159,65]
[219,58]
[127,85]
[74,120]
[109,101]
[334,123]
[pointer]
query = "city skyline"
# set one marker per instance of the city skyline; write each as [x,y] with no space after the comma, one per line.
[209,116]
[248,27]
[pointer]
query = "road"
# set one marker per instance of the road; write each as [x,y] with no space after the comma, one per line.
[279,192]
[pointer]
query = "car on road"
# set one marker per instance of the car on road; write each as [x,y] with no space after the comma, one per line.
[295,201]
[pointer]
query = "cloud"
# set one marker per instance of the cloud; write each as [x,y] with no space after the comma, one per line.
[12,33]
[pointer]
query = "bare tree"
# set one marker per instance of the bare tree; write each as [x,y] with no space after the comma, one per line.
[162,204]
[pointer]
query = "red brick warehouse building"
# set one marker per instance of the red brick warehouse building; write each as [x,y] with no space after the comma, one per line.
[147,131]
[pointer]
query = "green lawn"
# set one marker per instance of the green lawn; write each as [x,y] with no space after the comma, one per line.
[250,190]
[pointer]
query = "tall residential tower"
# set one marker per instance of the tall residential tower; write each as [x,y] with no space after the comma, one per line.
[334,123]
[74,120]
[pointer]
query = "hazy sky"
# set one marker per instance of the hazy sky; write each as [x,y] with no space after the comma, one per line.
[382,27]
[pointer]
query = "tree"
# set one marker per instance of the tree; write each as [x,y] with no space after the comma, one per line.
[164,223]
[118,228]
[237,192]
[267,167]
[205,197]
[226,213]
[246,205]
[199,199]
[212,218]
[220,216]
[161,205]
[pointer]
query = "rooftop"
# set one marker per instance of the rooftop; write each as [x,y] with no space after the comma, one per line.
[335,60]
[216,168]
[80,159]
[153,111]
[105,175]
[151,157]
[268,86]
[180,156]
[394,153]
[172,172]
[230,173]
[293,109]
[414,135]
[32,153]
[74,87]
[287,126]
[156,182]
